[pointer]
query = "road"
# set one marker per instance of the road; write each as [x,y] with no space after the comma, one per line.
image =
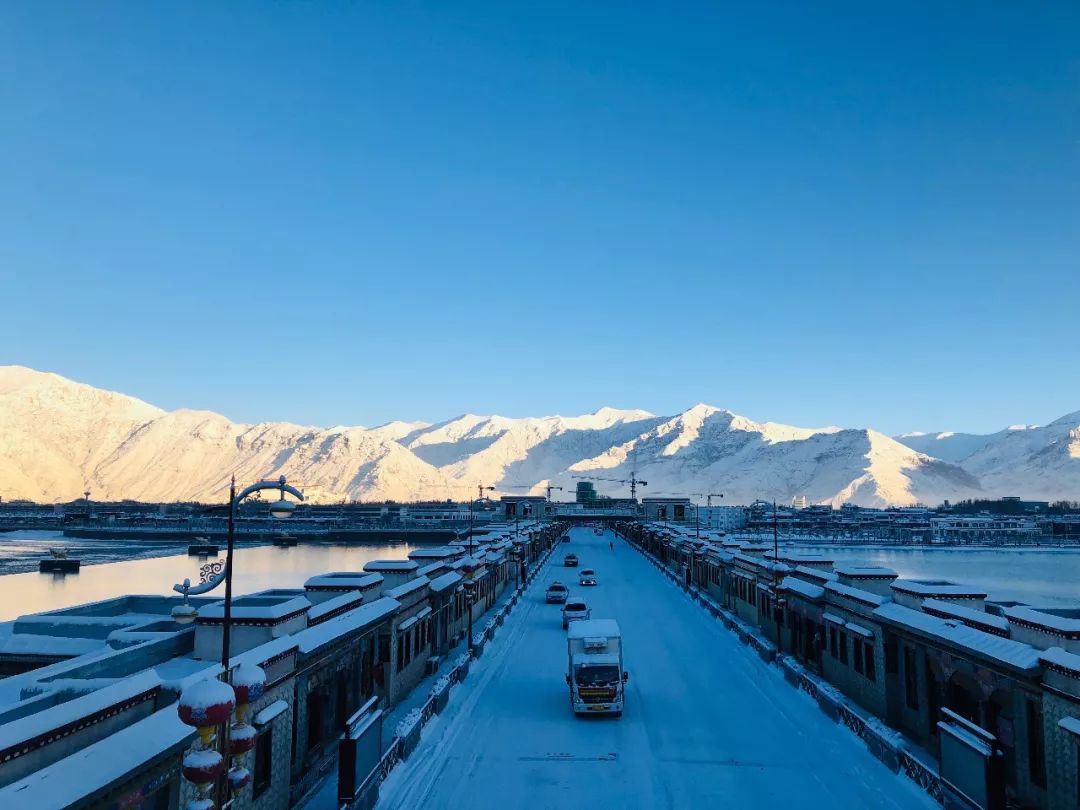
[707,723]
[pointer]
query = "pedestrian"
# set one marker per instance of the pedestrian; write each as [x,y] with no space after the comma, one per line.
[611,545]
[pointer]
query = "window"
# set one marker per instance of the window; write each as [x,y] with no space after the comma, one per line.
[843,646]
[834,648]
[1036,743]
[868,661]
[911,681]
[314,719]
[264,749]
[856,650]
[892,665]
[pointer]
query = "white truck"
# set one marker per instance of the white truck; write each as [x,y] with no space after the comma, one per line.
[596,676]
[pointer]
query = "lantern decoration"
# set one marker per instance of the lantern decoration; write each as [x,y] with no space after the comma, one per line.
[205,705]
[249,681]
[242,738]
[203,765]
[239,777]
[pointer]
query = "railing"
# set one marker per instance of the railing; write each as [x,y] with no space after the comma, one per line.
[401,746]
[921,775]
[878,742]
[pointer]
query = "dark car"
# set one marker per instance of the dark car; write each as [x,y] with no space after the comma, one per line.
[570,561]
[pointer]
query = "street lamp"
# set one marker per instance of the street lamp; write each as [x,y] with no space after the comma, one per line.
[470,598]
[246,688]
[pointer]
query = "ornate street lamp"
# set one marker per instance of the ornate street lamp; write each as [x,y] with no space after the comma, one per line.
[209,704]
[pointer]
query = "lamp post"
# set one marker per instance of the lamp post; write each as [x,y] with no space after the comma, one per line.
[470,599]
[248,687]
[777,603]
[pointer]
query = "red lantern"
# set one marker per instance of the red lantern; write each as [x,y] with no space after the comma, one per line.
[203,766]
[206,703]
[239,777]
[242,738]
[249,681]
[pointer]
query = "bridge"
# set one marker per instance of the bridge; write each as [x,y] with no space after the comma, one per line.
[706,723]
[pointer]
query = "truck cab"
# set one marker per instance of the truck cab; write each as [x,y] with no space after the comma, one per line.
[596,676]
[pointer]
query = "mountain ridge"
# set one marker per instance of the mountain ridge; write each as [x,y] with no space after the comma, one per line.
[59,438]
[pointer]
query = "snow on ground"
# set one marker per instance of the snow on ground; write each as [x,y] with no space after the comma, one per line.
[706,722]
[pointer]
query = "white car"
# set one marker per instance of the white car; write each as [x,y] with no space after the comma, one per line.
[557,593]
[587,577]
[575,609]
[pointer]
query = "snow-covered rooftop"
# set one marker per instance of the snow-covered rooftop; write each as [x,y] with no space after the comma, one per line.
[998,624]
[331,630]
[344,580]
[344,602]
[1055,620]
[865,571]
[857,594]
[392,565]
[1013,653]
[936,587]
[259,606]
[407,588]
[99,766]
[803,588]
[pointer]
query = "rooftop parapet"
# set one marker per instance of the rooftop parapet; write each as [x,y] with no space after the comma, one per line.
[256,619]
[327,586]
[913,592]
[873,578]
[1046,627]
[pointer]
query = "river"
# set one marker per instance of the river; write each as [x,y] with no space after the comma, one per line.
[256,568]
[1038,576]
[1044,576]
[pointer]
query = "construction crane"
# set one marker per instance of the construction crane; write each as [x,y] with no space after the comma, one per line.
[549,487]
[633,481]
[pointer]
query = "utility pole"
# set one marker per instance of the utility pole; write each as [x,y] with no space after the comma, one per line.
[776,575]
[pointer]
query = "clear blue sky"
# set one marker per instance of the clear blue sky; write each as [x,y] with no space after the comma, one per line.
[818,213]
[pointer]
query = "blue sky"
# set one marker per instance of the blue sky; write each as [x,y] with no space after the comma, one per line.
[817,213]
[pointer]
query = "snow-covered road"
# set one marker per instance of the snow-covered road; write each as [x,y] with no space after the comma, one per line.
[707,723]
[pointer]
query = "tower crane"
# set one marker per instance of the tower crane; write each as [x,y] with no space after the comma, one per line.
[633,481]
[549,487]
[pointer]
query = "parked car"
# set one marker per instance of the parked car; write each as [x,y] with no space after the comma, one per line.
[566,537]
[575,609]
[557,593]
[570,561]
[587,577]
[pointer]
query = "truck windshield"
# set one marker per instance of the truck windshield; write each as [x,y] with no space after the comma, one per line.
[597,675]
[575,606]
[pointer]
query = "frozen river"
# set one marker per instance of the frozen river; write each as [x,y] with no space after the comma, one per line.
[706,724]
[256,568]
[1038,576]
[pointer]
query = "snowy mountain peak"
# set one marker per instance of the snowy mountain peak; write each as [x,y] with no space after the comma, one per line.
[59,438]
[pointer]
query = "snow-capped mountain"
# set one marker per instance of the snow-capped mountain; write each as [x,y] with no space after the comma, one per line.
[59,438]
[1032,461]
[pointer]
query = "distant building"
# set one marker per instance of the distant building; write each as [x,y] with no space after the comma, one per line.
[672,509]
[800,502]
[585,493]
[724,518]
